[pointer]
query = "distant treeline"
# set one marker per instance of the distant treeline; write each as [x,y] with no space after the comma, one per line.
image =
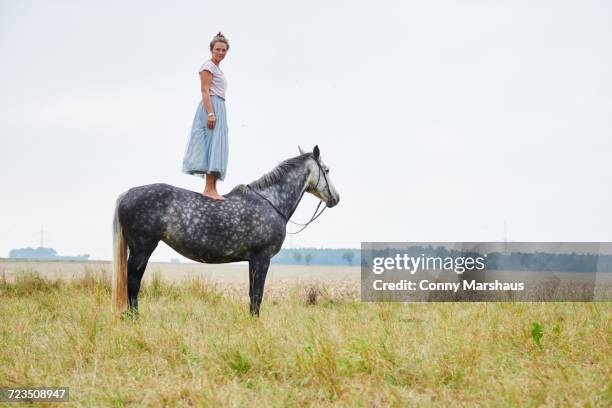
[43,253]
[514,261]
[318,256]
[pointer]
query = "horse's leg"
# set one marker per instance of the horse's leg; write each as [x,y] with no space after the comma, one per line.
[137,263]
[258,269]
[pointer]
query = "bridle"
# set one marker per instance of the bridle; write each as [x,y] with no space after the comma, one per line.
[314,215]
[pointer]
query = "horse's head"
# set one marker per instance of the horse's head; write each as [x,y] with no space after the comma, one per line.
[319,184]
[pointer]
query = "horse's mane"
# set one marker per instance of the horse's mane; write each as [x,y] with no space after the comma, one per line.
[277,174]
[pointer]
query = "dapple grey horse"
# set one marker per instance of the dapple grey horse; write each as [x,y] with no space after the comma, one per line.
[249,225]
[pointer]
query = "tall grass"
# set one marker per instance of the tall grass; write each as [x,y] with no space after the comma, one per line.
[196,344]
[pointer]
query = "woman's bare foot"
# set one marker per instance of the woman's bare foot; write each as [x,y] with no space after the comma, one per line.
[213,194]
[210,189]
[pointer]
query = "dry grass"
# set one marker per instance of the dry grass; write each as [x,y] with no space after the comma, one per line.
[314,344]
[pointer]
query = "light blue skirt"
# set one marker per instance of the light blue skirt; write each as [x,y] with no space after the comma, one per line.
[208,149]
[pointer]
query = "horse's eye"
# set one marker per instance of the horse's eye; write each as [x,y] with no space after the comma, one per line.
[326,171]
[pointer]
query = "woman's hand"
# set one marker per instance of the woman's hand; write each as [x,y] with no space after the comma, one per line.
[211,121]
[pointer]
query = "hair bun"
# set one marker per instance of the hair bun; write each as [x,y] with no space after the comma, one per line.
[219,37]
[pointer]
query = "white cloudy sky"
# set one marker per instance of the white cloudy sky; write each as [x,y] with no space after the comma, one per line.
[439,121]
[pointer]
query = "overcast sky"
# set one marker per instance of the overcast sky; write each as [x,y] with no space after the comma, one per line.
[439,121]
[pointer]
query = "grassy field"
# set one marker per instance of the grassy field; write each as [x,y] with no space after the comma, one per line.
[314,344]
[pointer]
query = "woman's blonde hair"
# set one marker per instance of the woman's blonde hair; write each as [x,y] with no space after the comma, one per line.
[219,38]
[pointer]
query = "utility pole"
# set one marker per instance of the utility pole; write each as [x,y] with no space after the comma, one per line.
[41,237]
[505,238]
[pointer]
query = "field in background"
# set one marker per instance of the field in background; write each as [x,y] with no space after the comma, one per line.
[235,273]
[315,343]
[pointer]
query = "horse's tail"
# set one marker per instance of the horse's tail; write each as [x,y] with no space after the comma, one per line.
[119,263]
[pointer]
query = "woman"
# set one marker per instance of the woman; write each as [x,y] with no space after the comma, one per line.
[207,150]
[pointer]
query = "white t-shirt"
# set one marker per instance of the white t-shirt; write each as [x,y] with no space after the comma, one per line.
[219,84]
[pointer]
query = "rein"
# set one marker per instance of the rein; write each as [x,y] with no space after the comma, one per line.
[314,215]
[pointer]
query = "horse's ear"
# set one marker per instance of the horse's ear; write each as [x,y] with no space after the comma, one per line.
[315,152]
[300,149]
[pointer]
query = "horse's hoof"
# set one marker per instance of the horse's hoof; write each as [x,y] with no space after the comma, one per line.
[254,313]
[130,315]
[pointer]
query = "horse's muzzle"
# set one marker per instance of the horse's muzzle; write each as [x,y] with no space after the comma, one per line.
[333,201]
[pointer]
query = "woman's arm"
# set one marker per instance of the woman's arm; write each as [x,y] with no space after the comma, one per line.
[206,81]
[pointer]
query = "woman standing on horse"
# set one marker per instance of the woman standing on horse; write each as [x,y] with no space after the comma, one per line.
[207,150]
